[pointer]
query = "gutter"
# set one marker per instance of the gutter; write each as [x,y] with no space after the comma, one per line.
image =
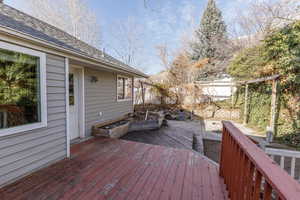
[46,44]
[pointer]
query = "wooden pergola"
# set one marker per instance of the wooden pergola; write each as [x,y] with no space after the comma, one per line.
[274,101]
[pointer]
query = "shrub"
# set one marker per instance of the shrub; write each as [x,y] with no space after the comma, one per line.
[279,53]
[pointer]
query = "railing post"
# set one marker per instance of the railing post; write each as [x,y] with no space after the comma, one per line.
[235,169]
[225,157]
[274,106]
[257,186]
[293,166]
[221,171]
[250,181]
[246,106]
[230,170]
[240,160]
[267,191]
[245,174]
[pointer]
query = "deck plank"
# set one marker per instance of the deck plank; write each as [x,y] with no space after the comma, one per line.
[105,173]
[54,172]
[160,182]
[126,187]
[170,179]
[187,191]
[86,176]
[117,169]
[83,174]
[136,189]
[198,185]
[157,172]
[203,169]
[180,176]
[105,185]
[130,178]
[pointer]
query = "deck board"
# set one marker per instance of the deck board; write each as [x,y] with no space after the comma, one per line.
[116,169]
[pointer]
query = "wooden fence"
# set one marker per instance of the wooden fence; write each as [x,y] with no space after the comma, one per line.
[249,173]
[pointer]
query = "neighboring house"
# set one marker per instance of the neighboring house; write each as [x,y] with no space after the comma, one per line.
[161,77]
[217,90]
[53,88]
[190,93]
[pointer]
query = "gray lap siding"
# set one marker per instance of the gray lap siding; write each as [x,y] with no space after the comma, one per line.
[25,152]
[102,97]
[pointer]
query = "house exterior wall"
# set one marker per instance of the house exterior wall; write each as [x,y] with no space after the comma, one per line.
[25,152]
[102,97]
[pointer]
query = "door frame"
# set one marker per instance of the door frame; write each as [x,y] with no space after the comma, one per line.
[81,105]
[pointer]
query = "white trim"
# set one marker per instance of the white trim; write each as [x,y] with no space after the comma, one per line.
[82,103]
[82,118]
[282,152]
[133,94]
[67,107]
[122,100]
[128,99]
[43,90]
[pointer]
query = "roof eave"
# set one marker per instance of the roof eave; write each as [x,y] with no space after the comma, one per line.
[38,41]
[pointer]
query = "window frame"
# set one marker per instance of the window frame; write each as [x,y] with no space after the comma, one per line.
[125,99]
[43,90]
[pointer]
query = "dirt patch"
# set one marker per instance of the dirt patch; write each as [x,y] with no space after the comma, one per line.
[116,124]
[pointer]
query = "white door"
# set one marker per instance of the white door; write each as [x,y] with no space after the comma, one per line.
[74,103]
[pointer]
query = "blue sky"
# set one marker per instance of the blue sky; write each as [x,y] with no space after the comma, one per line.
[162,22]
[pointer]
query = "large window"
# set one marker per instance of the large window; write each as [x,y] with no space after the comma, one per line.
[124,90]
[22,89]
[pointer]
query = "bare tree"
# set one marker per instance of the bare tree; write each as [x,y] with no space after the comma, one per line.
[72,16]
[128,43]
[261,18]
[163,55]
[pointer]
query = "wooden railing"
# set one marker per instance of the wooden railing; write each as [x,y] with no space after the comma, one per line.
[3,118]
[249,173]
[291,163]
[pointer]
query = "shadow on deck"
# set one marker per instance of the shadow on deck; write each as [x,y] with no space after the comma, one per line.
[116,169]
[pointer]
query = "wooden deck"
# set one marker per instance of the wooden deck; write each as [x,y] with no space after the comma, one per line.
[117,169]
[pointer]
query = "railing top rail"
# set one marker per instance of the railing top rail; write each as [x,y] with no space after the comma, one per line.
[284,184]
[282,152]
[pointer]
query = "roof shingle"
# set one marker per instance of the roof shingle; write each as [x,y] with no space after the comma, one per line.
[21,22]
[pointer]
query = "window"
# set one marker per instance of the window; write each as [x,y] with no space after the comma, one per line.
[71,90]
[22,89]
[124,88]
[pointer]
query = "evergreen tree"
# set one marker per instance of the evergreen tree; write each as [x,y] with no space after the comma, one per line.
[18,78]
[211,36]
